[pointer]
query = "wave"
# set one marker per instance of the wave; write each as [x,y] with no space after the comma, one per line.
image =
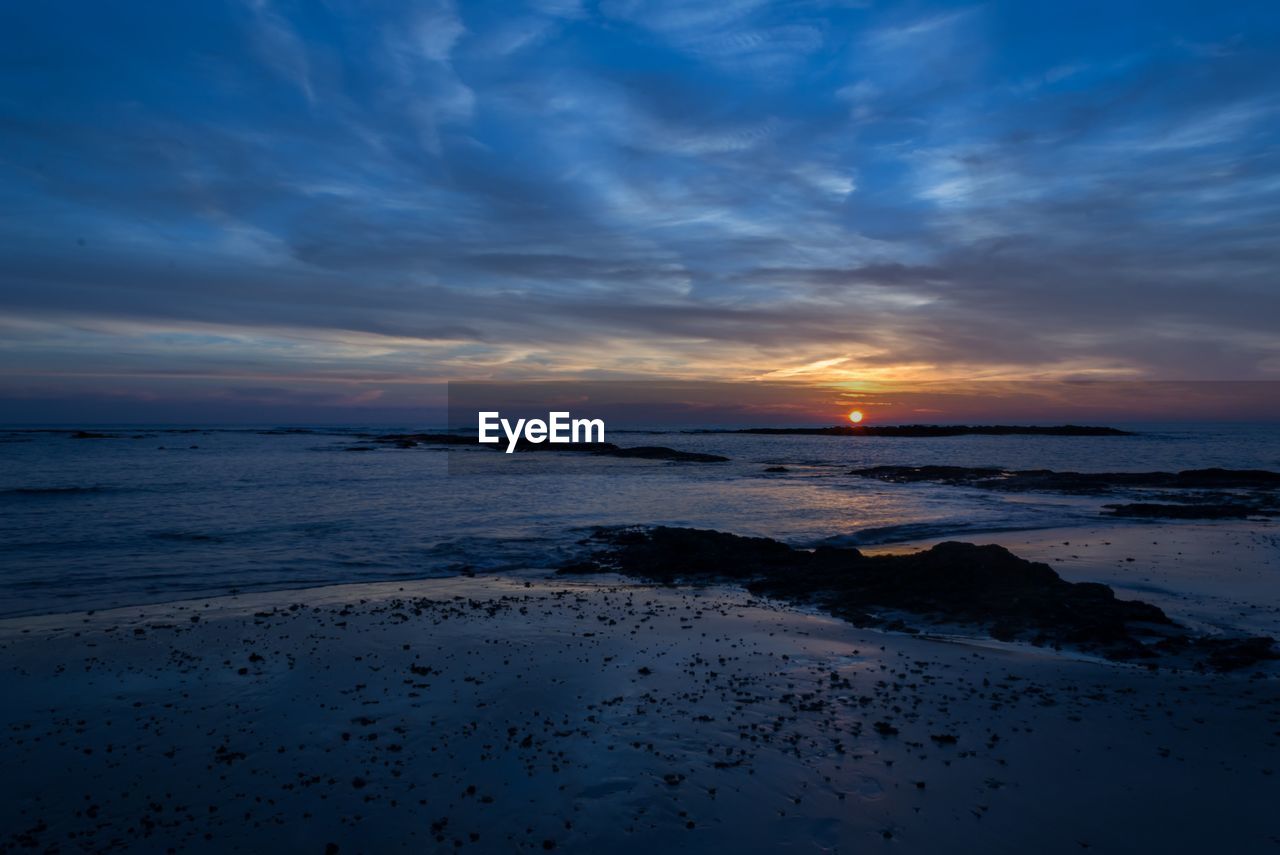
[907,532]
[54,491]
[185,537]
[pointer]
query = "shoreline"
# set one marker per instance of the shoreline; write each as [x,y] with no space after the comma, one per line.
[1177,543]
[257,604]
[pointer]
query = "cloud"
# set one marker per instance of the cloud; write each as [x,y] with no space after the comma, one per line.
[910,34]
[280,47]
[744,35]
[436,30]
[426,90]
[376,198]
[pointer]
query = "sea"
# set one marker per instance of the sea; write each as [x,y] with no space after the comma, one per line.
[154,513]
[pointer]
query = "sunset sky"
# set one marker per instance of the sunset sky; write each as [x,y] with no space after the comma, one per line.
[272,209]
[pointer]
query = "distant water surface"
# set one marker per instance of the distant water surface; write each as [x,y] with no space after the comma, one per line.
[158,514]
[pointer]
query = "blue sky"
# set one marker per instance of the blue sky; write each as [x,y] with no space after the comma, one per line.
[268,207]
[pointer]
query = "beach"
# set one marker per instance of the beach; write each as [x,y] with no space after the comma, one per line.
[527,712]
[239,640]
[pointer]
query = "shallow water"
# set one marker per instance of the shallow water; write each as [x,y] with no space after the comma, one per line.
[158,514]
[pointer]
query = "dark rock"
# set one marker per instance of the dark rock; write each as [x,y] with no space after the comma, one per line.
[936,430]
[667,554]
[649,452]
[410,440]
[988,478]
[983,586]
[777,469]
[607,449]
[1196,493]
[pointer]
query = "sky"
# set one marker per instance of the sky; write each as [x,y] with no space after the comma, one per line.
[323,210]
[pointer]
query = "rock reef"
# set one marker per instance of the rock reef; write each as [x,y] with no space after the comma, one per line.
[937,430]
[991,478]
[604,449]
[951,583]
[1192,494]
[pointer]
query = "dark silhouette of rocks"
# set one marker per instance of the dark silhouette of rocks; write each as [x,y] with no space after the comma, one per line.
[605,449]
[937,430]
[412,440]
[1076,482]
[984,586]
[647,452]
[1200,494]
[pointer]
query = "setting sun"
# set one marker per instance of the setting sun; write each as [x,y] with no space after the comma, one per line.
[855,416]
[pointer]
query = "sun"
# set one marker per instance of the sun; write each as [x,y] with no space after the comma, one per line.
[855,416]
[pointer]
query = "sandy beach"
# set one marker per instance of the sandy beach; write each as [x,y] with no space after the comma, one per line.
[527,712]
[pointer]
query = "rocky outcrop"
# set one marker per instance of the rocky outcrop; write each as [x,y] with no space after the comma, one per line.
[952,583]
[1196,494]
[937,430]
[605,449]
[988,478]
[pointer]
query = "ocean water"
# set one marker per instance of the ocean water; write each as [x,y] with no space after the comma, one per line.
[157,514]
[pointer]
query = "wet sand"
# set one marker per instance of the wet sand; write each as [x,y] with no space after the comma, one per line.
[526,713]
